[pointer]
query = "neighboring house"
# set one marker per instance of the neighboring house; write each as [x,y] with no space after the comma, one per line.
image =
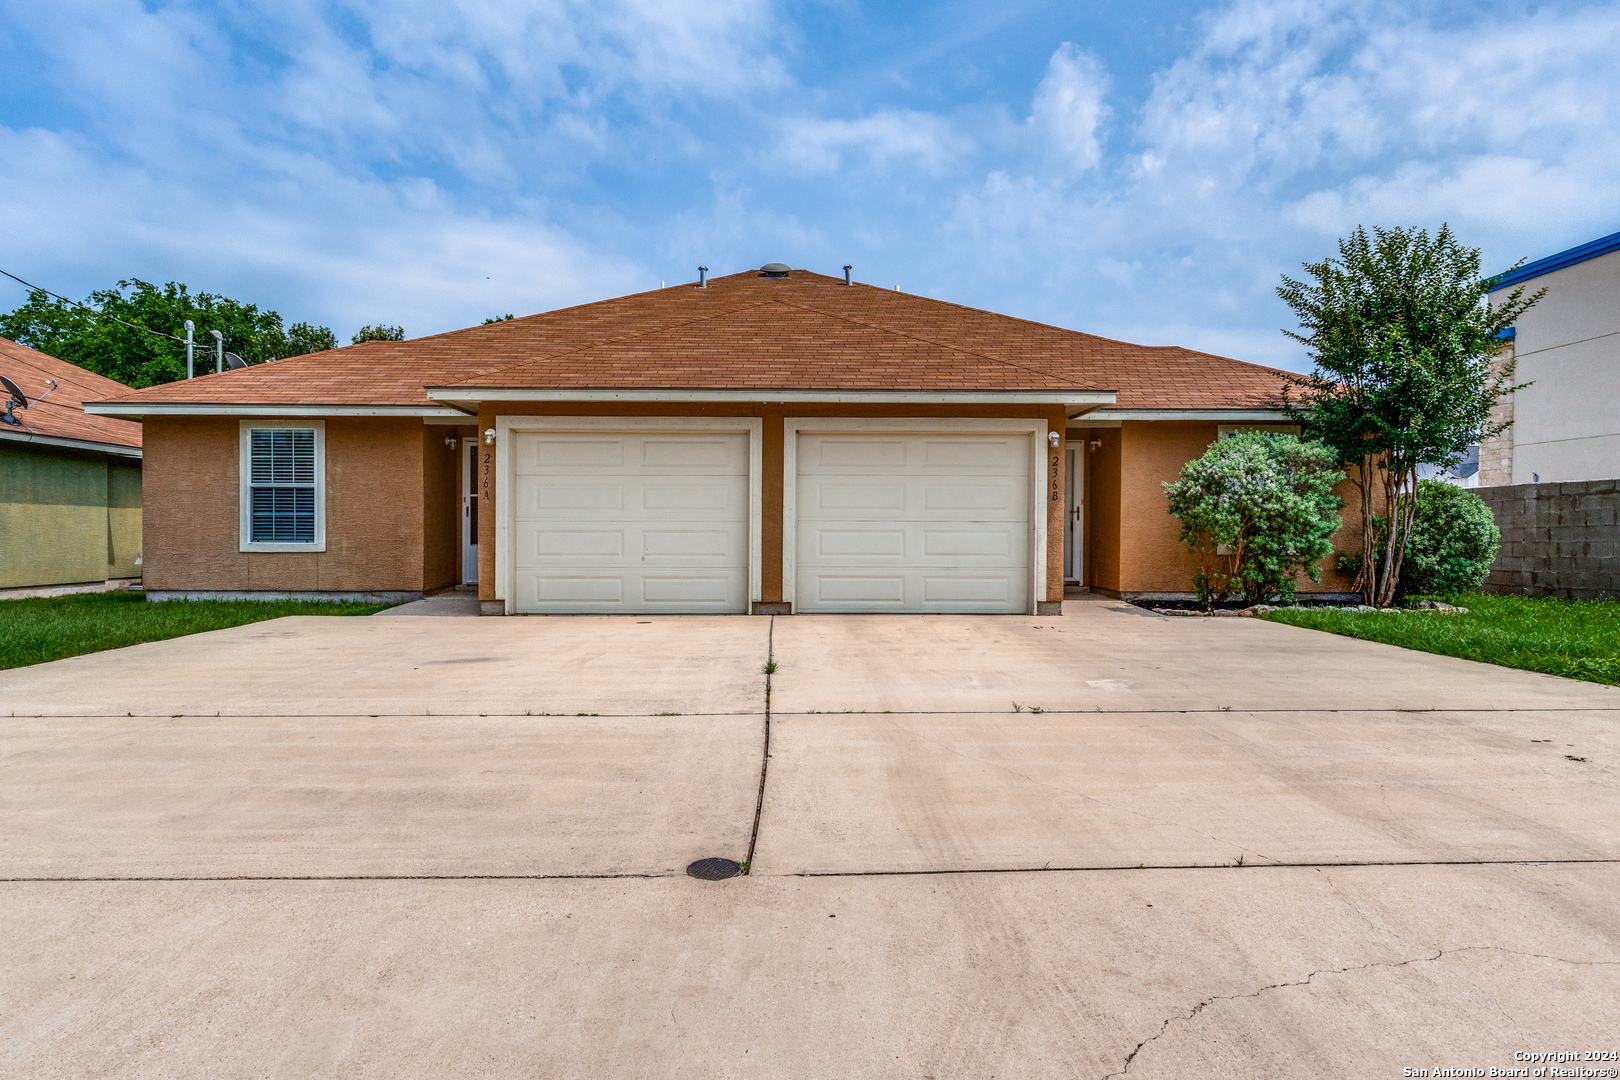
[70,484]
[1566,424]
[774,442]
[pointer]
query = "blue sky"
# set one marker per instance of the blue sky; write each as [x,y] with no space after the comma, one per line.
[1142,171]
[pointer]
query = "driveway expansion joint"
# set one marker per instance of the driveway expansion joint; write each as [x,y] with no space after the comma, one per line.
[765,752]
[1048,869]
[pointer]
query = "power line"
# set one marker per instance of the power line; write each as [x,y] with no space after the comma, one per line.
[93,311]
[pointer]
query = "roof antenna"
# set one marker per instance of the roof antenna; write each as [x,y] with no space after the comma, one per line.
[15,398]
[50,383]
[703,275]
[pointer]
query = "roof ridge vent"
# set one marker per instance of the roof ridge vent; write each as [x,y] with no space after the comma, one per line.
[775,270]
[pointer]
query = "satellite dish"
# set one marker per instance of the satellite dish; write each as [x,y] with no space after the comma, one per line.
[16,399]
[234,361]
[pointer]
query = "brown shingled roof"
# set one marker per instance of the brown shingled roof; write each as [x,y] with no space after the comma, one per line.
[62,415]
[744,332]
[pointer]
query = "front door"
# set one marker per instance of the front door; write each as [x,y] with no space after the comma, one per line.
[1074,525]
[469,511]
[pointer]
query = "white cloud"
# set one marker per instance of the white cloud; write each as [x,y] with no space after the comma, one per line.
[358,251]
[884,138]
[1287,125]
[1069,107]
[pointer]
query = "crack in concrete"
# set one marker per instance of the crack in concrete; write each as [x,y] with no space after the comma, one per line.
[1310,977]
[1306,981]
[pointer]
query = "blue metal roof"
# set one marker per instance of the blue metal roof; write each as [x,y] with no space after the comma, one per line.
[1590,250]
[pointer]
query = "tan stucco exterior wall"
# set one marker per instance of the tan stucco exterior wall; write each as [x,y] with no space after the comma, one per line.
[1101,560]
[1132,539]
[374,510]
[441,508]
[67,516]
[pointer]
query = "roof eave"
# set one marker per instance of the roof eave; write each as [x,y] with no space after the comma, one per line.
[65,443]
[462,396]
[1233,413]
[132,410]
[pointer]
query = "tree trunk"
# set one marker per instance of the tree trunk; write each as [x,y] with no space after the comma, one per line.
[1369,536]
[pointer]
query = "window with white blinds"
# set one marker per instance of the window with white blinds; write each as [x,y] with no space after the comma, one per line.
[281,490]
[283,485]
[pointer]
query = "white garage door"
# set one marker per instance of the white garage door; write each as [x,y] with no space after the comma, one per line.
[630,522]
[912,522]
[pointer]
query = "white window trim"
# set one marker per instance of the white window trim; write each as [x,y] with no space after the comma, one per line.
[244,474]
[505,495]
[922,425]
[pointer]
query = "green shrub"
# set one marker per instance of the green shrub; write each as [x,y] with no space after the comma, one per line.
[1454,538]
[1257,509]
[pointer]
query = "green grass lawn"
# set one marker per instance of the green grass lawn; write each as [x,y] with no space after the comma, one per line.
[1574,638]
[48,628]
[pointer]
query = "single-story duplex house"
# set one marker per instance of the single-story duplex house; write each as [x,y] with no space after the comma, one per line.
[772,441]
[70,484]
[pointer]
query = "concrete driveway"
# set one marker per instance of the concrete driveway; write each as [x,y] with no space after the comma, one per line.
[454,847]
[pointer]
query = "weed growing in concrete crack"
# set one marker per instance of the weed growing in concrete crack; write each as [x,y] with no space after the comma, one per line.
[669,714]
[1036,709]
[1017,707]
[1239,861]
[769,668]
[1226,708]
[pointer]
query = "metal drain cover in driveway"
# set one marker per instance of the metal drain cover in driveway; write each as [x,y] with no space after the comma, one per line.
[714,869]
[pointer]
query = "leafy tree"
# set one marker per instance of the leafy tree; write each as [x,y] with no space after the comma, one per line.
[380,332]
[137,358]
[303,338]
[1257,508]
[1403,341]
[499,318]
[1453,541]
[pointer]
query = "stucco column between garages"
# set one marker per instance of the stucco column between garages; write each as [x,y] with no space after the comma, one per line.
[1053,486]
[1056,484]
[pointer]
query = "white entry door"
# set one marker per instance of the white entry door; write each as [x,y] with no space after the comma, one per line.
[909,522]
[471,455]
[620,522]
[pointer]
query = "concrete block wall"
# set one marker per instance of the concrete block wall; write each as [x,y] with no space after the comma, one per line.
[1560,540]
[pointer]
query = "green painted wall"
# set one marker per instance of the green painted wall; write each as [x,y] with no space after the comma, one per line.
[67,516]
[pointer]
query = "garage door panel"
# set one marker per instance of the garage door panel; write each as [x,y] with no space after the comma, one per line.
[717,494]
[878,542]
[572,543]
[697,589]
[997,455]
[699,544]
[576,588]
[547,452]
[987,500]
[976,543]
[718,454]
[912,522]
[857,455]
[548,497]
[876,496]
[962,589]
[654,522]
[835,588]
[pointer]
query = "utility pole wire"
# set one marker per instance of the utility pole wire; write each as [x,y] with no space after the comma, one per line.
[93,311]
